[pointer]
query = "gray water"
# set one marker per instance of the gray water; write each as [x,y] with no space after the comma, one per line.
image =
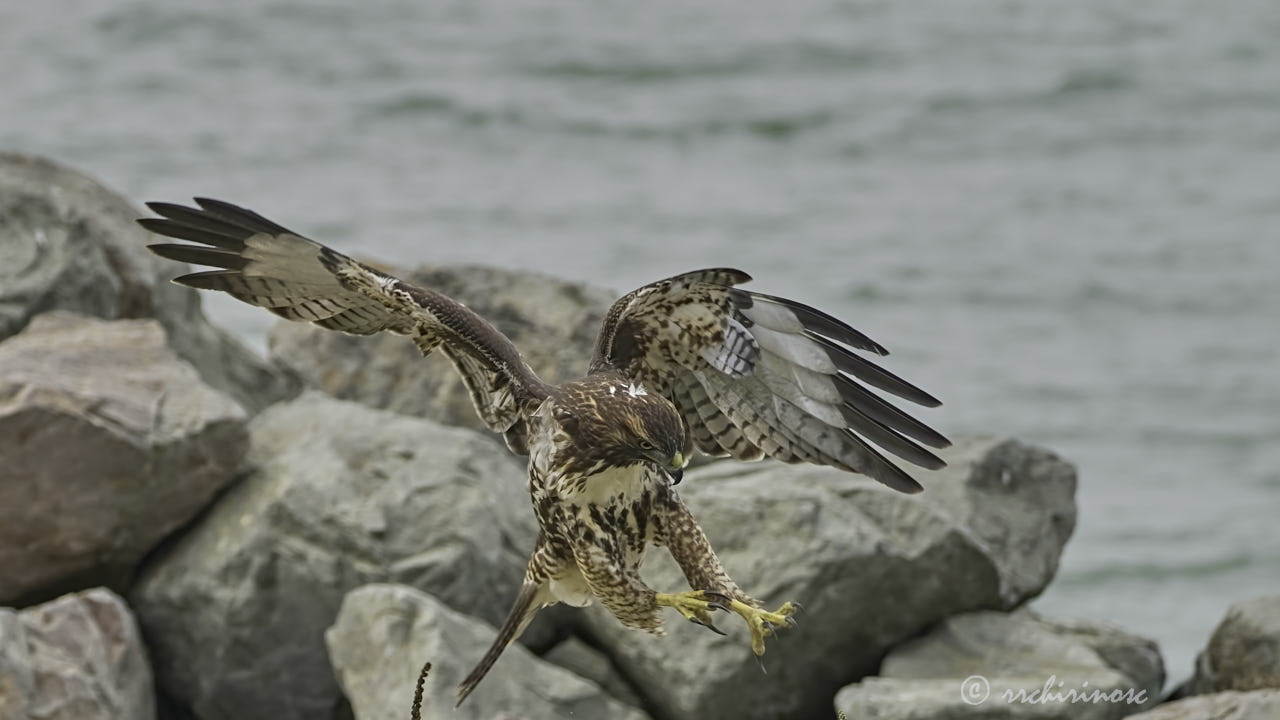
[1062,218]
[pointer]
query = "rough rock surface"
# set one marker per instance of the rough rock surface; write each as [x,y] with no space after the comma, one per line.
[872,567]
[1244,651]
[996,665]
[72,244]
[341,495]
[384,633]
[1255,705]
[108,442]
[551,321]
[79,657]
[581,659]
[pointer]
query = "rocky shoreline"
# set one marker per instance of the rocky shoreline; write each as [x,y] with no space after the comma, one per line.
[189,531]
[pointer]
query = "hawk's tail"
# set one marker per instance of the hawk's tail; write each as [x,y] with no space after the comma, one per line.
[526,606]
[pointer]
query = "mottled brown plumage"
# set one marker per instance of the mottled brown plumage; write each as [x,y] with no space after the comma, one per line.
[690,361]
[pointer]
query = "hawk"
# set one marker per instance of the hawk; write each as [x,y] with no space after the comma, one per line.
[691,361]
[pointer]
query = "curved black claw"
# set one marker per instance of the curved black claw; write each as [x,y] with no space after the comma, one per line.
[792,622]
[797,606]
[760,660]
[712,627]
[717,600]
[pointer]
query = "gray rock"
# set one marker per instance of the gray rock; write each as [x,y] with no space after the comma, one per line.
[69,243]
[79,657]
[1244,651]
[551,321]
[585,661]
[996,665]
[108,442]
[1136,657]
[341,495]
[872,567]
[384,633]
[1256,705]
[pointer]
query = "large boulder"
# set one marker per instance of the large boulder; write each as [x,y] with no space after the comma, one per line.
[340,495]
[871,567]
[79,657]
[72,244]
[108,442]
[1244,651]
[1231,705]
[1009,666]
[384,633]
[551,321]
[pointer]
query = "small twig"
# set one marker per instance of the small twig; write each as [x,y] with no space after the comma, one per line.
[416,714]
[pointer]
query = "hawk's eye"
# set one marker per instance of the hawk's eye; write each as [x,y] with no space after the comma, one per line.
[646,445]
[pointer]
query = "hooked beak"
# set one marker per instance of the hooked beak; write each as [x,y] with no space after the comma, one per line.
[676,468]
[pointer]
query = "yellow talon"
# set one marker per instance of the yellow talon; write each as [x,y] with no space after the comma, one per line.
[696,606]
[762,622]
[693,605]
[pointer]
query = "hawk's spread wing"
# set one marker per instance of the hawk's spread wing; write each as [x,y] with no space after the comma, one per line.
[755,375]
[270,266]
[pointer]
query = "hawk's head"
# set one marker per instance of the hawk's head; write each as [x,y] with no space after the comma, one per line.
[616,423]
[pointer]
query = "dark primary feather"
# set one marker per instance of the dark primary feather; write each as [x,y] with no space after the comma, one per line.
[226,259]
[226,237]
[814,320]
[241,217]
[873,406]
[874,375]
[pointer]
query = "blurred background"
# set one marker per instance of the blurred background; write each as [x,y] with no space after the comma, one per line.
[1061,218]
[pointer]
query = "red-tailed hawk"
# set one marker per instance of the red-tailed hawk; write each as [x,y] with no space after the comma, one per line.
[690,361]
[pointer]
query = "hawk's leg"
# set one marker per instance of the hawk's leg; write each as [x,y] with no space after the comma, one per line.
[616,583]
[714,589]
